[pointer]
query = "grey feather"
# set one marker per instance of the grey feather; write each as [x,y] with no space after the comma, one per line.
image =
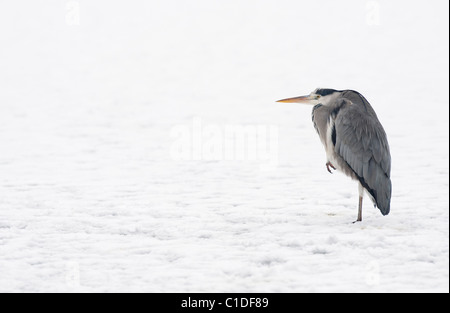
[362,144]
[355,141]
[360,147]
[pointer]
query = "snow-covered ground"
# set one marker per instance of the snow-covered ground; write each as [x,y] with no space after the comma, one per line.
[117,173]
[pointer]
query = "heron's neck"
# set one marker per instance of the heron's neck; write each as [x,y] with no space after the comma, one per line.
[329,100]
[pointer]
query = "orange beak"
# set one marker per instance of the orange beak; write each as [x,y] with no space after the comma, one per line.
[302,99]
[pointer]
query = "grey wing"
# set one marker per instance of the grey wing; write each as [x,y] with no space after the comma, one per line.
[361,141]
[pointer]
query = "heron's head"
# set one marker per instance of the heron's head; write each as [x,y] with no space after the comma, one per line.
[323,96]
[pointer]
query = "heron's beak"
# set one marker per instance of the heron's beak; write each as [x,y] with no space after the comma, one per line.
[302,99]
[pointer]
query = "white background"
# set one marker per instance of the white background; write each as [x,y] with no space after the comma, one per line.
[92,200]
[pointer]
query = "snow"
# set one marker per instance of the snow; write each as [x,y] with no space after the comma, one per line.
[117,174]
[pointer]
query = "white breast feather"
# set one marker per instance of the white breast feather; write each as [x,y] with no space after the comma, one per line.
[329,147]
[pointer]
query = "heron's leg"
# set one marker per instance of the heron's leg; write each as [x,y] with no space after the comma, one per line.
[360,209]
[361,194]
[328,164]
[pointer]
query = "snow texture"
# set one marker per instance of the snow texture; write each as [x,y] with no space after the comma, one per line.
[117,174]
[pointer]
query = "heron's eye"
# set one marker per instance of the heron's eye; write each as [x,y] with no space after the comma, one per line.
[318,97]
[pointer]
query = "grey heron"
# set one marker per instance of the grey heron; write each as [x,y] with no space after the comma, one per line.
[354,140]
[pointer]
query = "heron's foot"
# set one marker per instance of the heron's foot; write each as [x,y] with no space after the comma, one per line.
[330,165]
[358,220]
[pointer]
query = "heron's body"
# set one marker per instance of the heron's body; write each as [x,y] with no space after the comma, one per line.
[354,140]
